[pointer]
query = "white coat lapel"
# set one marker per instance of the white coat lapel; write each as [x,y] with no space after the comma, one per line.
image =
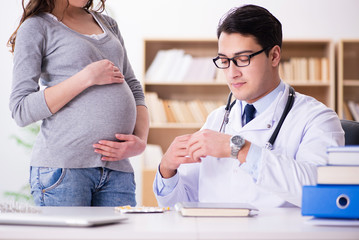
[264,121]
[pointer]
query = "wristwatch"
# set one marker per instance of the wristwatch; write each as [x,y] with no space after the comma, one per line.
[236,144]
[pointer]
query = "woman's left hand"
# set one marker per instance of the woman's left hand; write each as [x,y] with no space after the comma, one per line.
[127,146]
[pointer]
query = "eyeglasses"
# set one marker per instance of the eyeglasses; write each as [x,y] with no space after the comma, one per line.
[239,61]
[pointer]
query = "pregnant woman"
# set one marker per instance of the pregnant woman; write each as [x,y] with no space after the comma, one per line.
[91,105]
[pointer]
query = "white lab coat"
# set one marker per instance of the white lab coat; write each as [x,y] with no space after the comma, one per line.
[310,127]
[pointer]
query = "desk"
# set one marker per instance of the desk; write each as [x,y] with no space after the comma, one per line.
[276,223]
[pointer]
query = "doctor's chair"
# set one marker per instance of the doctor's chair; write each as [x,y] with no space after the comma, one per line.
[351,130]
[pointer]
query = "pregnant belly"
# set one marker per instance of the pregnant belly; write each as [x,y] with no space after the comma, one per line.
[97,114]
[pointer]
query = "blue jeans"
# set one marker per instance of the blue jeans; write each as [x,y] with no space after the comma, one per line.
[82,187]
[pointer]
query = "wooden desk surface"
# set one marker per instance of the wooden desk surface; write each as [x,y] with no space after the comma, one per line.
[279,223]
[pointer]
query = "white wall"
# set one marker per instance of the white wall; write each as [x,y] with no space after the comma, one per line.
[139,19]
[329,19]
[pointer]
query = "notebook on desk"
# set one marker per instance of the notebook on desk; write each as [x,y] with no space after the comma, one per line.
[200,209]
[63,217]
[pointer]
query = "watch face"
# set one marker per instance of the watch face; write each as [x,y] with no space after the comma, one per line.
[237,140]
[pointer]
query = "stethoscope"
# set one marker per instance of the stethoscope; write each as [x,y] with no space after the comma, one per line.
[288,106]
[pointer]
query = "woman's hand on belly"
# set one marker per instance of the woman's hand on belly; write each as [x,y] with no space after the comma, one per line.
[102,72]
[127,146]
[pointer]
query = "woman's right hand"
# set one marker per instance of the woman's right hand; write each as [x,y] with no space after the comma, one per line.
[97,73]
[102,72]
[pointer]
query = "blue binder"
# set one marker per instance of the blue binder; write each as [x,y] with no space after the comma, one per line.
[331,201]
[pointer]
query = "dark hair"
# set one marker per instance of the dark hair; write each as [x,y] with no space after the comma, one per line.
[34,7]
[253,20]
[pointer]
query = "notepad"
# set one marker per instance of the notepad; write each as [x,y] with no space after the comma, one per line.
[199,209]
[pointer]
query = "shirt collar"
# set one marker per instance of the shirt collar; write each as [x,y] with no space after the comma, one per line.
[263,103]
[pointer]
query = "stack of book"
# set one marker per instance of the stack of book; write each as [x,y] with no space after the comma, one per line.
[305,69]
[336,194]
[174,65]
[176,111]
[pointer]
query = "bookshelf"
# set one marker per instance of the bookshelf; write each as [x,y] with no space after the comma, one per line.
[164,133]
[210,90]
[216,89]
[348,76]
[320,85]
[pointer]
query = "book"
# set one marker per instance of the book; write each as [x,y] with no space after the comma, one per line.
[176,110]
[169,113]
[333,222]
[174,65]
[165,69]
[188,116]
[346,112]
[183,68]
[155,106]
[354,110]
[201,209]
[196,112]
[338,175]
[176,62]
[202,109]
[346,155]
[314,73]
[331,201]
[325,69]
[300,69]
[152,71]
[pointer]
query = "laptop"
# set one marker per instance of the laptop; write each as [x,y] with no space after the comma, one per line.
[65,217]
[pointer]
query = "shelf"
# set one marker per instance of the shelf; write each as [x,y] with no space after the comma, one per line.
[307,48]
[322,90]
[216,84]
[309,84]
[210,83]
[184,91]
[191,91]
[149,198]
[348,74]
[202,90]
[190,126]
[352,82]
[194,47]
[164,136]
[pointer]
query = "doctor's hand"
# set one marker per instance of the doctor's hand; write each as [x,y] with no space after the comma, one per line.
[176,154]
[209,143]
[127,146]
[102,72]
[212,143]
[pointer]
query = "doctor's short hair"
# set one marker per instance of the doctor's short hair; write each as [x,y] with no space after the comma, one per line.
[253,20]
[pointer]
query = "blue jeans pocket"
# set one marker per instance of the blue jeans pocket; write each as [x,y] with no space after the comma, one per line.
[50,178]
[82,187]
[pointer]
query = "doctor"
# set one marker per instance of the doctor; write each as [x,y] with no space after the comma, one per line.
[232,162]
